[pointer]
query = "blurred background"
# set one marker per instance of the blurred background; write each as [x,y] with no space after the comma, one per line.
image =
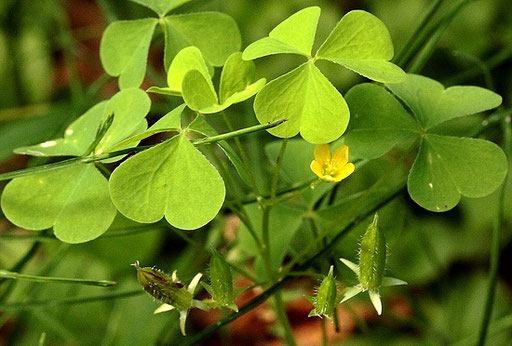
[51,73]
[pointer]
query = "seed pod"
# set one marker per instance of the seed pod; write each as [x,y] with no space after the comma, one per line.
[372,257]
[164,287]
[325,300]
[221,280]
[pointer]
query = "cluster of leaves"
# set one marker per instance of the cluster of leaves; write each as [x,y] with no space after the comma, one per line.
[175,181]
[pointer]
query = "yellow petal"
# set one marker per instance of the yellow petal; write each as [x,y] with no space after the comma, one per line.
[322,153]
[347,170]
[340,156]
[316,168]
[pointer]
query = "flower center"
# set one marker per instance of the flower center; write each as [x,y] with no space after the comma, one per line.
[329,169]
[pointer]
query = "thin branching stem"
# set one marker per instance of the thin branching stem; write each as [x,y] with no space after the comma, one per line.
[496,237]
[45,279]
[407,51]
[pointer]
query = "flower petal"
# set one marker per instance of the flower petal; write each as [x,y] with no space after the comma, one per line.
[163,308]
[183,319]
[193,284]
[340,156]
[388,281]
[354,267]
[375,298]
[352,291]
[347,170]
[316,168]
[322,153]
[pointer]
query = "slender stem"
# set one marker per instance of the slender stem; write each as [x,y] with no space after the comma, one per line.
[37,304]
[433,36]
[496,60]
[238,133]
[325,340]
[277,171]
[407,52]
[495,248]
[94,158]
[245,158]
[12,275]
[196,339]
[21,263]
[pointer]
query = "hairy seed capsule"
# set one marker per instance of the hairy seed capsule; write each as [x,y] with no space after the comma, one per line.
[162,286]
[372,257]
[325,300]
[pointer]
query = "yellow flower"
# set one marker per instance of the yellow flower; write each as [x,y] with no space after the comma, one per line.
[331,168]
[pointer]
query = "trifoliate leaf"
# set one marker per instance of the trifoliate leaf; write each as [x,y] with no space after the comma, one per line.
[172,179]
[287,37]
[74,200]
[309,102]
[124,50]
[361,43]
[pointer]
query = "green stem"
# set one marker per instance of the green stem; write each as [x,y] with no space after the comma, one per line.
[277,171]
[38,304]
[12,275]
[198,338]
[495,248]
[407,51]
[496,60]
[433,36]
[243,154]
[94,158]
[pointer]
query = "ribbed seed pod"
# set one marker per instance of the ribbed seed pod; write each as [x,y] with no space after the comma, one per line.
[372,257]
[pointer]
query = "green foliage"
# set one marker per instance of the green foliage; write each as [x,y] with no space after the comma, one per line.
[125,44]
[304,96]
[161,7]
[172,179]
[189,77]
[74,201]
[446,167]
[124,50]
[129,107]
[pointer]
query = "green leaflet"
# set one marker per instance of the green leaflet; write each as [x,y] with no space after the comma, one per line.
[172,179]
[188,77]
[161,7]
[200,126]
[432,104]
[378,123]
[308,100]
[169,122]
[215,34]
[446,167]
[129,107]
[286,38]
[361,42]
[304,96]
[74,200]
[124,50]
